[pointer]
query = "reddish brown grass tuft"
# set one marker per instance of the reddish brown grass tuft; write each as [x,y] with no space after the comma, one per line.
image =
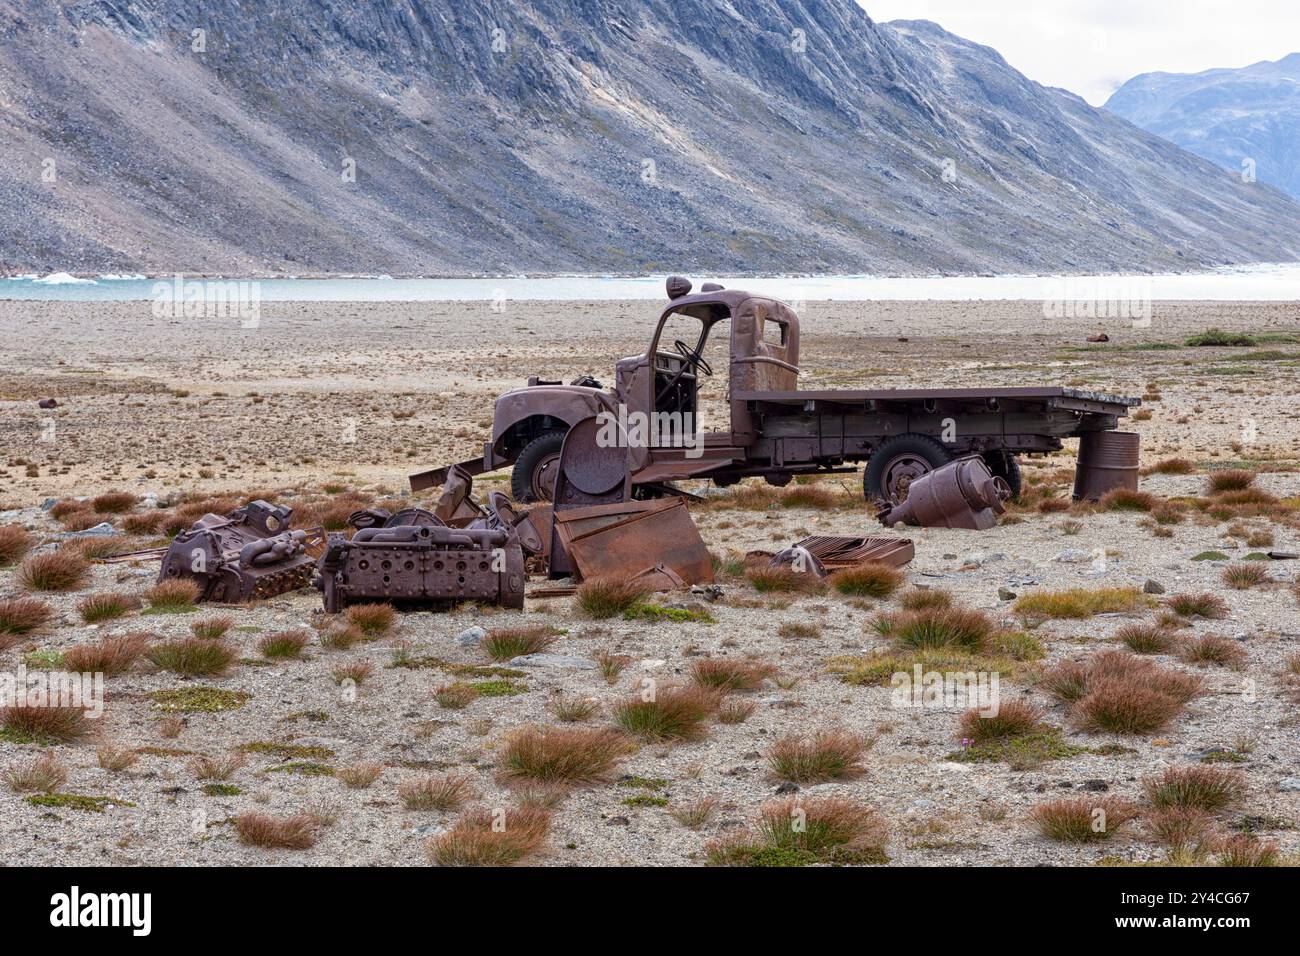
[1125,499]
[872,579]
[503,643]
[728,674]
[602,598]
[784,580]
[562,754]
[62,570]
[673,713]
[1214,649]
[1082,819]
[441,792]
[283,644]
[1244,576]
[174,594]
[372,620]
[45,724]
[825,755]
[297,832]
[106,606]
[15,542]
[1146,638]
[1204,605]
[1205,788]
[938,627]
[112,655]
[488,838]
[45,774]
[922,599]
[20,617]
[113,503]
[1230,479]
[193,656]
[1014,718]
[212,628]
[1121,693]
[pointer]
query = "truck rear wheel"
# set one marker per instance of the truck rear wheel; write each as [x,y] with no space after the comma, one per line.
[898,462]
[533,477]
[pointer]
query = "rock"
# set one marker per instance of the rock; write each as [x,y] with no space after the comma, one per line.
[101,530]
[1073,556]
[49,503]
[1096,786]
[787,787]
[553,660]
[1099,337]
[1289,785]
[471,637]
[1153,587]
[1006,594]
[47,403]
[709,592]
[618,822]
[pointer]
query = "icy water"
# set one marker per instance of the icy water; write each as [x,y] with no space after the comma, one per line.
[1265,282]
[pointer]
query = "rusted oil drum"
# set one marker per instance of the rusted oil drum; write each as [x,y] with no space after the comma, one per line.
[1107,460]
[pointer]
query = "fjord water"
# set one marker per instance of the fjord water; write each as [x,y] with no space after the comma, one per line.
[1271,282]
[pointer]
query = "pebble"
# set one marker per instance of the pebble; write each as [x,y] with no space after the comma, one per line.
[553,660]
[1153,587]
[1289,785]
[1073,556]
[471,637]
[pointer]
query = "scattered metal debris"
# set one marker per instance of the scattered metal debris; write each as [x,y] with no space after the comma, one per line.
[962,494]
[823,554]
[655,541]
[247,555]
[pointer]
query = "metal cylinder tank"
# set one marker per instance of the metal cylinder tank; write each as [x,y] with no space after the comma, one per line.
[1107,460]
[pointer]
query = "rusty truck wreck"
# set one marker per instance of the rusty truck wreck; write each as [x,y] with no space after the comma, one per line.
[775,430]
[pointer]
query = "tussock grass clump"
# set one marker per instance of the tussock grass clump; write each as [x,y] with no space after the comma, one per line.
[1214,649]
[105,606]
[15,542]
[503,643]
[192,656]
[800,832]
[673,713]
[1079,603]
[808,496]
[212,628]
[217,768]
[562,754]
[873,579]
[283,644]
[1243,577]
[925,599]
[1199,787]
[612,665]
[359,776]
[1167,515]
[62,570]
[372,620]
[729,674]
[150,522]
[1172,466]
[455,696]
[483,838]
[113,503]
[173,595]
[1206,605]
[356,671]
[732,711]
[440,792]
[340,638]
[1014,718]
[20,617]
[112,655]
[45,774]
[798,630]
[825,755]
[1082,819]
[1121,693]
[1229,479]
[46,725]
[1246,850]
[603,598]
[1126,499]
[116,759]
[938,627]
[573,710]
[783,579]
[694,813]
[1179,829]
[297,832]
[1146,638]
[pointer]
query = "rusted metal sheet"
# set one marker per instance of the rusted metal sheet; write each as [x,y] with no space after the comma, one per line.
[1107,461]
[961,494]
[835,552]
[415,559]
[247,555]
[624,539]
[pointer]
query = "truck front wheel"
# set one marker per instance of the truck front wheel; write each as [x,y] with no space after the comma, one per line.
[533,477]
[898,462]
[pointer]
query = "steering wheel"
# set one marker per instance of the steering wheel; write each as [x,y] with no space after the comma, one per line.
[693,358]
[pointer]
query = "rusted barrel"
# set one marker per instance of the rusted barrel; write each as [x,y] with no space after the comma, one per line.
[1107,460]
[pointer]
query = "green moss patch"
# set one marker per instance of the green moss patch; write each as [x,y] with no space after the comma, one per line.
[76,801]
[190,700]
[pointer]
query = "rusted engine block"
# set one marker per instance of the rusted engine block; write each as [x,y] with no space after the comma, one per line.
[413,559]
[247,555]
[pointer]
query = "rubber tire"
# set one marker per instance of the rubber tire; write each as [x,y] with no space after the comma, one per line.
[934,452]
[1010,471]
[535,452]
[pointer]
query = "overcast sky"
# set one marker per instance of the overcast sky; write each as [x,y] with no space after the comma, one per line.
[1090,47]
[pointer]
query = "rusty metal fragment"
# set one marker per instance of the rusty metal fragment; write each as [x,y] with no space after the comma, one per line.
[835,552]
[247,555]
[961,494]
[622,540]
[415,559]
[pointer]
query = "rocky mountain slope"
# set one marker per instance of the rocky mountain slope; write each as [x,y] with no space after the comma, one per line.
[482,136]
[1231,117]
